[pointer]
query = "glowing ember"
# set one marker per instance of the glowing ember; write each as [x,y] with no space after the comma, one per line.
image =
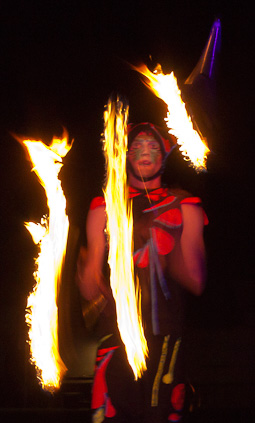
[51,235]
[120,231]
[192,145]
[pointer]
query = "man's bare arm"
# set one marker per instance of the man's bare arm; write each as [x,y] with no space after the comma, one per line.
[188,262]
[90,263]
[193,248]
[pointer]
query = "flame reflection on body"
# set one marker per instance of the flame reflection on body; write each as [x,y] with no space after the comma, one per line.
[164,86]
[120,233]
[51,236]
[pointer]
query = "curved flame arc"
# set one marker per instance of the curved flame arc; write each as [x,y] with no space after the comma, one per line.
[192,144]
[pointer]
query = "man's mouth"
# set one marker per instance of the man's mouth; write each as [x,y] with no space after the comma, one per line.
[145,163]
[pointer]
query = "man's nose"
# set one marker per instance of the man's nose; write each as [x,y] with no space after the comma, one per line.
[145,149]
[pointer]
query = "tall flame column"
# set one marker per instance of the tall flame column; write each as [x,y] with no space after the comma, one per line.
[51,235]
[120,234]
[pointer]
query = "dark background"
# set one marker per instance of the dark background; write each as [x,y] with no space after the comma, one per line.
[60,62]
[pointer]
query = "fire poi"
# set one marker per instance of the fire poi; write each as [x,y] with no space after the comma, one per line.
[120,233]
[51,236]
[192,144]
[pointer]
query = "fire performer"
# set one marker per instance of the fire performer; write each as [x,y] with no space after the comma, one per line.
[169,258]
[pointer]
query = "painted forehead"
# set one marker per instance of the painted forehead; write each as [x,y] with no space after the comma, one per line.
[148,136]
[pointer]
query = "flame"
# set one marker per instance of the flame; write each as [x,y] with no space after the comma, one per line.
[120,232]
[51,236]
[192,144]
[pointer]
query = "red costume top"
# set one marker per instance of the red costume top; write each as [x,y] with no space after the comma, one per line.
[157,232]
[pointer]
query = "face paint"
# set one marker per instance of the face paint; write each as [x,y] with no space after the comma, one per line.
[145,155]
[155,153]
[145,144]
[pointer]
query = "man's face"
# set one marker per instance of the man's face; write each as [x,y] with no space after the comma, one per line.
[145,155]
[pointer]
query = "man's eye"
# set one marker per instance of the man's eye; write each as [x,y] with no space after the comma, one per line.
[154,146]
[135,146]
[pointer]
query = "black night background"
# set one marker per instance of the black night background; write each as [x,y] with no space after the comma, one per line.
[60,62]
